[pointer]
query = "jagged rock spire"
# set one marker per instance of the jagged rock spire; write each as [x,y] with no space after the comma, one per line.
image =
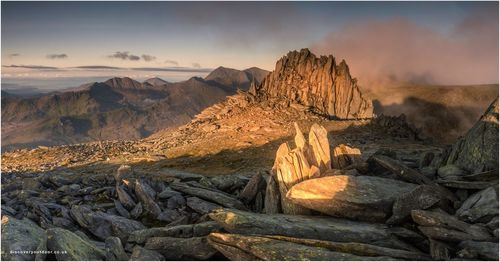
[320,83]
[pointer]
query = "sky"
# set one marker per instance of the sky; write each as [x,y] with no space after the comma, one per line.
[62,44]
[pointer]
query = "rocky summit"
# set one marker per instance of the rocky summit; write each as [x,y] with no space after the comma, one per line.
[320,83]
[293,169]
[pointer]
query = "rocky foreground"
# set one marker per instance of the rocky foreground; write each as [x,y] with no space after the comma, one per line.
[319,202]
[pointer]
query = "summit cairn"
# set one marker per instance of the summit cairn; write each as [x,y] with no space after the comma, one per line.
[320,83]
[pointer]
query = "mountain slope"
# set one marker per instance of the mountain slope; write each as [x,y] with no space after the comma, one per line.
[119,108]
[235,78]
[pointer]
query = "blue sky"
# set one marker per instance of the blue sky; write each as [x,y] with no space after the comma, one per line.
[191,35]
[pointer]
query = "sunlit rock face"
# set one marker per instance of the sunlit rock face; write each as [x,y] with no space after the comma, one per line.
[321,83]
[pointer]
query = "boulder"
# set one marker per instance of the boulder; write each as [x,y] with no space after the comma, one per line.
[311,227]
[103,225]
[256,184]
[366,198]
[316,82]
[124,197]
[21,235]
[201,206]
[142,254]
[168,215]
[481,206]
[272,204]
[450,172]
[440,221]
[422,197]
[482,250]
[180,231]
[143,193]
[194,248]
[114,250]
[471,152]
[167,193]
[277,249]
[343,156]
[69,246]
[213,196]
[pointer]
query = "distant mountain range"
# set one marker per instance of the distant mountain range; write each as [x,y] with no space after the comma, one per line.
[119,108]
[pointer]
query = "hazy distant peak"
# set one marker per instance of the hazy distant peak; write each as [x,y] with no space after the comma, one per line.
[156,81]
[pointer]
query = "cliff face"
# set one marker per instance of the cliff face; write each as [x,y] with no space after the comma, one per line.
[320,83]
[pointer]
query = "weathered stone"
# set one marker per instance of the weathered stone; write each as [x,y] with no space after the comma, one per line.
[316,82]
[365,198]
[474,185]
[21,235]
[422,197]
[481,206]
[311,227]
[441,219]
[103,225]
[471,152]
[176,201]
[272,204]
[123,172]
[142,192]
[124,197]
[411,175]
[168,216]
[181,231]
[114,249]
[219,198]
[181,248]
[201,206]
[343,156]
[439,250]
[167,193]
[450,172]
[137,211]
[69,246]
[142,254]
[256,184]
[229,183]
[319,148]
[279,249]
[484,250]
[121,210]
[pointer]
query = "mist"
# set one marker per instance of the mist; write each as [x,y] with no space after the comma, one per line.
[396,51]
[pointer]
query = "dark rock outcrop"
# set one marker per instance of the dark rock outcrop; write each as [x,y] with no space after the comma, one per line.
[321,83]
[478,150]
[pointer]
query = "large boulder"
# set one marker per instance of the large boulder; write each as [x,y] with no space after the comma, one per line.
[69,246]
[103,225]
[480,207]
[289,248]
[21,235]
[478,150]
[320,83]
[311,227]
[365,198]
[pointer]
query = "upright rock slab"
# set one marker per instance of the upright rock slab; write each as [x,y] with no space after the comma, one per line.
[478,150]
[320,83]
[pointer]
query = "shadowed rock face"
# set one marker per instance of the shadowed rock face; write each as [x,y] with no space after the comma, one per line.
[320,83]
[478,150]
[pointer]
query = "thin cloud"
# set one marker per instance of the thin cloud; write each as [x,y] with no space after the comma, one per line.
[148,58]
[172,62]
[124,56]
[98,67]
[196,65]
[174,69]
[57,56]
[36,67]
[14,55]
